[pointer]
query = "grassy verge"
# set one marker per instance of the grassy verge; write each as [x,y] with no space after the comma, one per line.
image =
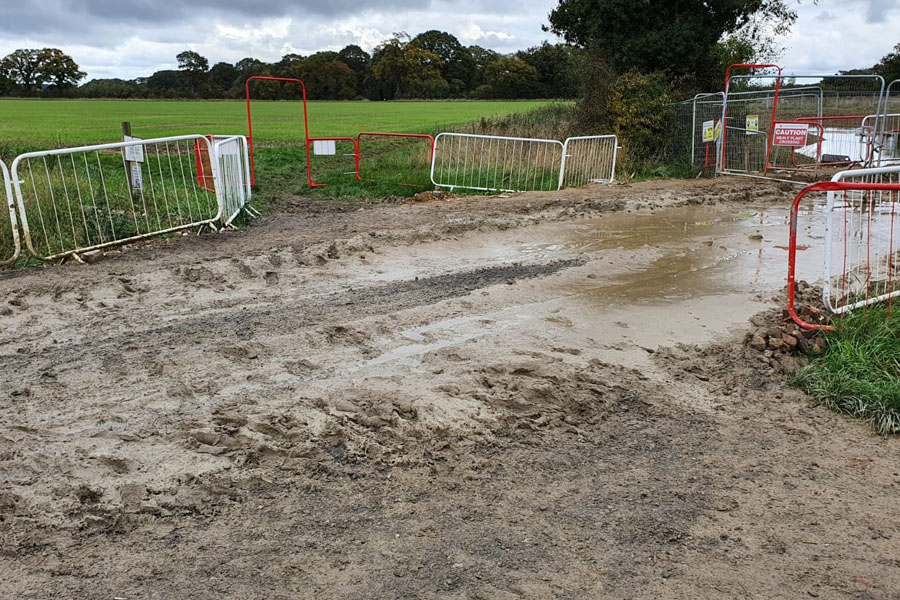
[859,374]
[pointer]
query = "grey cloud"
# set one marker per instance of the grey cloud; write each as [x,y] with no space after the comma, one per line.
[41,16]
[129,38]
[877,10]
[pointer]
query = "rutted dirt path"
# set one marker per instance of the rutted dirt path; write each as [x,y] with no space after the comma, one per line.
[479,398]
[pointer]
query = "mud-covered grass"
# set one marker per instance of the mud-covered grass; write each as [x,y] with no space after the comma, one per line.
[859,374]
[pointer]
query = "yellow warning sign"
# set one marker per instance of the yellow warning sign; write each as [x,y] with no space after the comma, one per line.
[709,131]
[752,124]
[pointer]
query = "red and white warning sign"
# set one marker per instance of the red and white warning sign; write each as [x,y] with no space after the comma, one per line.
[790,134]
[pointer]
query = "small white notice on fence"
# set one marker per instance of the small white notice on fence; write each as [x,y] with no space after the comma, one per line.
[137,177]
[752,124]
[134,153]
[324,148]
[790,135]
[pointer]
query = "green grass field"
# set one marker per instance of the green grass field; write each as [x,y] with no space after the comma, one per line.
[33,124]
[280,158]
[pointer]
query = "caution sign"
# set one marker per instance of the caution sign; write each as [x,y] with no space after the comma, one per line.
[790,135]
[752,124]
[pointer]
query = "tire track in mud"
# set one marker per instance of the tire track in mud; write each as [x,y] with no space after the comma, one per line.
[325,309]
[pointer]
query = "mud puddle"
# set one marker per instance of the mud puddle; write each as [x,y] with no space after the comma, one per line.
[650,278]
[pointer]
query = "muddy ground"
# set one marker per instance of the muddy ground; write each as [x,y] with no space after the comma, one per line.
[537,396]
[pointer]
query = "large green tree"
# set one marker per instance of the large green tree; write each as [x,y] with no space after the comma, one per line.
[457,66]
[194,67]
[403,70]
[28,70]
[23,69]
[681,38]
[511,78]
[59,69]
[557,66]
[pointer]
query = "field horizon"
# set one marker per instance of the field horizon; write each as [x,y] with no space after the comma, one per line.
[33,124]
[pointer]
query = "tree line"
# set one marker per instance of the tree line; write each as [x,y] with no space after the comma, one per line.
[431,65]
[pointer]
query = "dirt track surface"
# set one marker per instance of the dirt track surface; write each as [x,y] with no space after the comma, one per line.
[542,396]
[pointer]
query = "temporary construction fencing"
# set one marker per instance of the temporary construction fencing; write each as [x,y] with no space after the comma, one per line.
[332,160]
[496,164]
[797,122]
[233,174]
[510,164]
[9,230]
[886,148]
[588,159]
[73,200]
[276,80]
[402,159]
[861,236]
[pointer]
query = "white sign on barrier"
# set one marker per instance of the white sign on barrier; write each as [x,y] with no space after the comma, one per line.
[134,153]
[324,148]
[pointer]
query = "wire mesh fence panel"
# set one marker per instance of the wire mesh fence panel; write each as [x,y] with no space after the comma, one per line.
[395,158]
[77,199]
[233,175]
[9,228]
[885,150]
[829,110]
[332,160]
[705,109]
[745,151]
[696,125]
[588,159]
[862,232]
[496,164]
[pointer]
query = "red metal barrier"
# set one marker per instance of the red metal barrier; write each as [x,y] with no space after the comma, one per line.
[250,123]
[403,159]
[839,186]
[205,179]
[312,141]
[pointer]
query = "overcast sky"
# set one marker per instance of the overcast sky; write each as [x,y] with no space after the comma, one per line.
[133,38]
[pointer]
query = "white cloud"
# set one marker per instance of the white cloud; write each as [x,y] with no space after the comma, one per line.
[471,33]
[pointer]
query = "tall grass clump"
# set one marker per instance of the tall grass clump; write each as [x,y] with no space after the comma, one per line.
[859,373]
[555,121]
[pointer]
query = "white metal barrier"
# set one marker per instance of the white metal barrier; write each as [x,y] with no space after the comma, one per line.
[233,183]
[496,164]
[508,164]
[862,235]
[77,199]
[588,159]
[9,232]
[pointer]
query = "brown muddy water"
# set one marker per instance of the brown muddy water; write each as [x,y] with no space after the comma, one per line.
[649,278]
